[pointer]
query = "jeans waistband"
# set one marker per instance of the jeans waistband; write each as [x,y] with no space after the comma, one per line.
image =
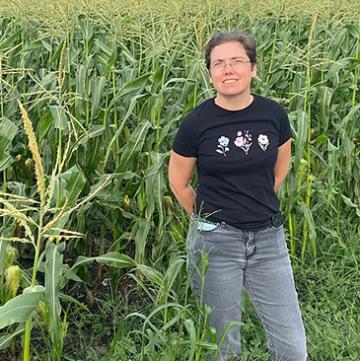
[276,221]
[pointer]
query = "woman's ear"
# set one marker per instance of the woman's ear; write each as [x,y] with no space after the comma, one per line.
[254,70]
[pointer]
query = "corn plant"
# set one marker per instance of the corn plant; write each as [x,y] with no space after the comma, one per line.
[43,223]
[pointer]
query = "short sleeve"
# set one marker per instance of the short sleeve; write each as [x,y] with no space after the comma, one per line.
[285,130]
[185,142]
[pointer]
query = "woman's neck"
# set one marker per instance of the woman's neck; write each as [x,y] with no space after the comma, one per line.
[234,102]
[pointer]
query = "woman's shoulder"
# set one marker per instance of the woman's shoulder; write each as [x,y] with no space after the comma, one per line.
[201,109]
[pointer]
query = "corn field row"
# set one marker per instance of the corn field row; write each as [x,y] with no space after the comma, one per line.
[88,113]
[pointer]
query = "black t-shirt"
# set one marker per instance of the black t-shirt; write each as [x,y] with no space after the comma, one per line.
[236,152]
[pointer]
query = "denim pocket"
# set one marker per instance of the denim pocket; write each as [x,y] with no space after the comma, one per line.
[198,229]
[202,224]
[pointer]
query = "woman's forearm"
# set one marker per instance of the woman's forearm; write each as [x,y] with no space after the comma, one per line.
[277,183]
[186,197]
[282,164]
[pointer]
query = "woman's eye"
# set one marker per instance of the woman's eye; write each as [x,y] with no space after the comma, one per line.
[239,61]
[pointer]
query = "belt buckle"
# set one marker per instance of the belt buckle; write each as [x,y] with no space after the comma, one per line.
[277,220]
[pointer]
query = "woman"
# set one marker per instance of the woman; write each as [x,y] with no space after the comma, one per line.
[241,145]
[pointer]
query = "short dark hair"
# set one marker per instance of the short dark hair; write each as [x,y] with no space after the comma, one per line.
[245,40]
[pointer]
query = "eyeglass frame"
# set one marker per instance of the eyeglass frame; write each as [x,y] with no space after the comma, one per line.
[232,63]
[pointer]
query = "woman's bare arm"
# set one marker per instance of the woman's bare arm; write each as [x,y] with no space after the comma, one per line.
[282,164]
[180,172]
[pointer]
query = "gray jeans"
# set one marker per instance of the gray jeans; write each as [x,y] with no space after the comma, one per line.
[258,260]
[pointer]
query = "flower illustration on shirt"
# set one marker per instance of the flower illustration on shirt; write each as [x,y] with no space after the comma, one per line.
[244,140]
[263,141]
[223,145]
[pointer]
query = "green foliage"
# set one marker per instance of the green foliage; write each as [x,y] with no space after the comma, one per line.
[8,131]
[20,307]
[105,85]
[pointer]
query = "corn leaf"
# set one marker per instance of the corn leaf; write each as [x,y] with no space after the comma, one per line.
[141,236]
[98,89]
[113,259]
[131,86]
[59,117]
[3,246]
[133,146]
[190,328]
[6,339]
[53,271]
[8,131]
[19,308]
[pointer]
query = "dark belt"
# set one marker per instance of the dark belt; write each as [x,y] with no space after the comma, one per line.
[276,221]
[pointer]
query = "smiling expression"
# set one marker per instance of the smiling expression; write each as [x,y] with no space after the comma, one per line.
[231,80]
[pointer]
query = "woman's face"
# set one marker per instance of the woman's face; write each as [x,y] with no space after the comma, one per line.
[230,69]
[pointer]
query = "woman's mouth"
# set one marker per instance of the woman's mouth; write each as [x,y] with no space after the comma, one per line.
[229,81]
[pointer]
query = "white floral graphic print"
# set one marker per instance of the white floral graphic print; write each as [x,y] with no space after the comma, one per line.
[244,140]
[263,141]
[223,145]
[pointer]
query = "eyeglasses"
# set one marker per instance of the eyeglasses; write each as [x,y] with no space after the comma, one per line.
[235,64]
